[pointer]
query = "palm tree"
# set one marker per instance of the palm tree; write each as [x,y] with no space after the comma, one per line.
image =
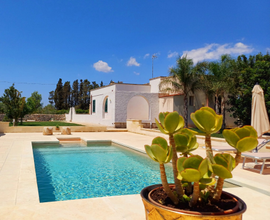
[220,79]
[183,78]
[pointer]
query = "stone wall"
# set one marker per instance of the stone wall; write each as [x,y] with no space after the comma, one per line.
[41,117]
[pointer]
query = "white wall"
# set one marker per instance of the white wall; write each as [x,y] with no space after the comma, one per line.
[166,104]
[121,103]
[138,108]
[154,83]
[132,88]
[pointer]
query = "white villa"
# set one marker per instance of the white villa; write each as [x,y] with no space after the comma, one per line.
[116,103]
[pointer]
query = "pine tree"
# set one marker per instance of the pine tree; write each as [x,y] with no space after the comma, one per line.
[58,95]
[75,93]
[67,95]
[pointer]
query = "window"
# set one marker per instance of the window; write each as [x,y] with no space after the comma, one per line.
[106,106]
[191,100]
[94,106]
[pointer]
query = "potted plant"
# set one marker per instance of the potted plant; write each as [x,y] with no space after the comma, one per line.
[57,127]
[197,189]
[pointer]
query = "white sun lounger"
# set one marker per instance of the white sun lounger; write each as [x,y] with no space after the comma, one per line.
[256,156]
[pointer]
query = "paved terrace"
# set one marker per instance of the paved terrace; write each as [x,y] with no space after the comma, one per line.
[19,194]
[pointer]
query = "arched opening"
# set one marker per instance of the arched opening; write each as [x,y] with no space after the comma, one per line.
[138,108]
[105,107]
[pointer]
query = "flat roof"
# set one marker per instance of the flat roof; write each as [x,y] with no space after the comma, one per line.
[128,84]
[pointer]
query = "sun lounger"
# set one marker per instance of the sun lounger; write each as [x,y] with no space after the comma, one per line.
[256,156]
[223,147]
[47,131]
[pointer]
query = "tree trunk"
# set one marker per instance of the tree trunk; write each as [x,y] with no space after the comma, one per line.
[196,194]
[223,112]
[178,184]
[216,104]
[165,184]
[218,190]
[186,110]
[237,158]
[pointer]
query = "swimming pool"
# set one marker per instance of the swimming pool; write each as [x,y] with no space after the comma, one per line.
[69,171]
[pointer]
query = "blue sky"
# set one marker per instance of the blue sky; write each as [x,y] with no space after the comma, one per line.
[42,41]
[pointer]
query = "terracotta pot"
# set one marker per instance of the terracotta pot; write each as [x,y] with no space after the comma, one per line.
[157,211]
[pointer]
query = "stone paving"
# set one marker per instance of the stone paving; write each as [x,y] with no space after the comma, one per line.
[19,194]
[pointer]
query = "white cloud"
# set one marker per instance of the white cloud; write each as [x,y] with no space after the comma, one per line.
[102,67]
[132,62]
[268,49]
[146,55]
[214,51]
[136,73]
[172,54]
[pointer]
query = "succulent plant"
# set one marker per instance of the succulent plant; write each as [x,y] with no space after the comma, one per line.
[160,152]
[242,139]
[169,124]
[193,170]
[185,141]
[224,164]
[208,122]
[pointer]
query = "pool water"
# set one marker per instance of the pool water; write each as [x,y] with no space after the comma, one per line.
[67,172]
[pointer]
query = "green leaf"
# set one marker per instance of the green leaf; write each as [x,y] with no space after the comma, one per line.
[161,117]
[169,155]
[159,153]
[160,127]
[161,141]
[179,163]
[191,175]
[221,171]
[149,153]
[203,168]
[171,122]
[181,123]
[247,144]
[209,109]
[252,131]
[197,124]
[242,132]
[182,149]
[192,162]
[231,137]
[205,119]
[218,124]
[207,181]
[180,139]
[220,160]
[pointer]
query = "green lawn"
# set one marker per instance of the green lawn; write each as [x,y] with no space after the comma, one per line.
[45,123]
[213,135]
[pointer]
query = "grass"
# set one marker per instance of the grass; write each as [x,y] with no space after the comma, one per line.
[217,135]
[45,123]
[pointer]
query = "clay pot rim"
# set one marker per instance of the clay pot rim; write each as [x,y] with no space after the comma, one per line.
[241,209]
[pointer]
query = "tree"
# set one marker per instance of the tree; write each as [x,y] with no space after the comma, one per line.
[249,71]
[14,103]
[58,95]
[183,79]
[75,93]
[67,95]
[220,79]
[51,97]
[34,102]
[24,109]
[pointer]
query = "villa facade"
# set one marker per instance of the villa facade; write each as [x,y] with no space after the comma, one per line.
[116,103]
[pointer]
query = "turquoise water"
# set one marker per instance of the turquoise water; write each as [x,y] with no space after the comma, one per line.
[67,172]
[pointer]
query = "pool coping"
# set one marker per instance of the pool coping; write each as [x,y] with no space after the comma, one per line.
[22,202]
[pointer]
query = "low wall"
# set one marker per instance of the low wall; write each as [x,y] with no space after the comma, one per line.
[41,117]
[38,129]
